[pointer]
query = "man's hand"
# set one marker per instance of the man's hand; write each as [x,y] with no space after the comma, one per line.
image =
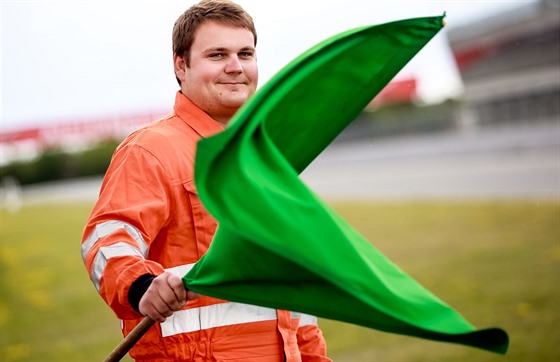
[165,295]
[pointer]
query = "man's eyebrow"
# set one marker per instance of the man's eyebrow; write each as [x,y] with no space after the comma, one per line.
[250,48]
[224,49]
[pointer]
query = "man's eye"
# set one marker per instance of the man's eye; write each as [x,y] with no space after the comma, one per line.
[246,54]
[216,55]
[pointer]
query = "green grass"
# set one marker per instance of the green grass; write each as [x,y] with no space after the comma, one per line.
[497,263]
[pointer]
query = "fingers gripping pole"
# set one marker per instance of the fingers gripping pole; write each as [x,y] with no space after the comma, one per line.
[130,340]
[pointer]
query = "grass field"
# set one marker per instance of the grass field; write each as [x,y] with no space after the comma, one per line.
[496,262]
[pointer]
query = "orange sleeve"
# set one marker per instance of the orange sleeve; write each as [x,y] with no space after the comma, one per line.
[133,205]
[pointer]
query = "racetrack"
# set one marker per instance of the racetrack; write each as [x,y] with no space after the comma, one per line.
[518,162]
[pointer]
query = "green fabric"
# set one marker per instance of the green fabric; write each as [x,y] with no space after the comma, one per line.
[278,244]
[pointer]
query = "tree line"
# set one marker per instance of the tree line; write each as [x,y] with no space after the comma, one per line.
[58,163]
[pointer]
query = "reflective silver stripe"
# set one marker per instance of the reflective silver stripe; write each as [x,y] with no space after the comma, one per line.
[109,227]
[107,252]
[180,270]
[211,316]
[295,315]
[217,315]
[307,320]
[117,249]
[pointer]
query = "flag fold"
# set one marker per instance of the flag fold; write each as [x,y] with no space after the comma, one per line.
[278,244]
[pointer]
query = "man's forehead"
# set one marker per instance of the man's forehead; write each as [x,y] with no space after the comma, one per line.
[215,34]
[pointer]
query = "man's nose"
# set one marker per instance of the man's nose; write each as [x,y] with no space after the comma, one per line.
[234,65]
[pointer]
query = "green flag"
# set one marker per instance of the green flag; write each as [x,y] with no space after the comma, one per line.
[278,244]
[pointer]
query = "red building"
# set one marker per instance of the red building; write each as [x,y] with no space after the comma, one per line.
[28,142]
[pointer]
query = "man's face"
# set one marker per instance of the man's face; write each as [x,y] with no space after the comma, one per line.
[223,70]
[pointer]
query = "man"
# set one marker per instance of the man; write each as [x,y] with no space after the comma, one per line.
[148,227]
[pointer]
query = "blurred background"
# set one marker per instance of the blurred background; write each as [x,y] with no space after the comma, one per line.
[453,170]
[77,77]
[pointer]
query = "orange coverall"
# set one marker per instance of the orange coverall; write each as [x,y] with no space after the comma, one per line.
[148,220]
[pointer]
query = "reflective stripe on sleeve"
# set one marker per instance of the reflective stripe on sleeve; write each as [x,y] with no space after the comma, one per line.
[212,316]
[109,227]
[107,252]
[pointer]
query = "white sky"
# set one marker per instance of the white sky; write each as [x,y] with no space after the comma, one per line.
[74,60]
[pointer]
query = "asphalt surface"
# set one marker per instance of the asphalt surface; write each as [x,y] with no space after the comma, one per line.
[520,162]
[509,162]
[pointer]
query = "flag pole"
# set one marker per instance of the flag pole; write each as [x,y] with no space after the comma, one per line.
[130,340]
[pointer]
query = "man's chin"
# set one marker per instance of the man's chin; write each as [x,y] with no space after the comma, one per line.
[235,101]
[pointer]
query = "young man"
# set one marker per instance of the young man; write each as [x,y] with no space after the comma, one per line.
[148,227]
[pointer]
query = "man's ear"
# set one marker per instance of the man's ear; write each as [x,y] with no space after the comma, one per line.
[179,65]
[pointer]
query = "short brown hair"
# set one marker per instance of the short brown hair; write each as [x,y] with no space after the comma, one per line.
[223,11]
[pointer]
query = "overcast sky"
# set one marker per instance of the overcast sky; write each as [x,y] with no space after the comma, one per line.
[74,60]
